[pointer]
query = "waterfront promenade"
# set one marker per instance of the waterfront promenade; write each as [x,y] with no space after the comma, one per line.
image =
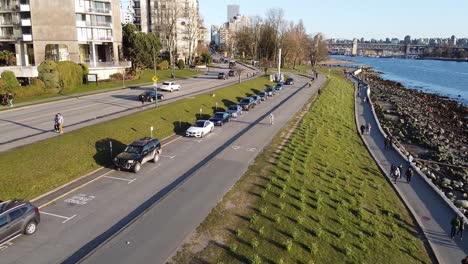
[431,211]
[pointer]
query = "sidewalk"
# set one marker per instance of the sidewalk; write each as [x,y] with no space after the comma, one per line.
[431,211]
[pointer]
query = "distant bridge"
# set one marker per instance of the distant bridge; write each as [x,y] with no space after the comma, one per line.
[377,49]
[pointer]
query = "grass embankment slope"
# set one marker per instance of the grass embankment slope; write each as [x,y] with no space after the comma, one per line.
[318,199]
[29,171]
[144,78]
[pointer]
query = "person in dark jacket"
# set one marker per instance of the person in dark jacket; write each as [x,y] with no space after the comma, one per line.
[455,225]
[409,174]
[461,227]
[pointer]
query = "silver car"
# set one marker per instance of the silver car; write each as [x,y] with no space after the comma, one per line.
[16,217]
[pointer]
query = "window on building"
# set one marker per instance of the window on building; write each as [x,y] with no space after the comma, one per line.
[56,52]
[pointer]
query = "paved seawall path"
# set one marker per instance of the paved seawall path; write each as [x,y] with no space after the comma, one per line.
[431,211]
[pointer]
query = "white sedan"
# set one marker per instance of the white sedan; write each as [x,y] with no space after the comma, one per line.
[200,128]
[170,86]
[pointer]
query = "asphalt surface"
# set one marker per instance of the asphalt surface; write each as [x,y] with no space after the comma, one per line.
[33,123]
[123,217]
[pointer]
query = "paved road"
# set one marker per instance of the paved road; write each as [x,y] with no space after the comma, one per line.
[26,125]
[430,209]
[161,204]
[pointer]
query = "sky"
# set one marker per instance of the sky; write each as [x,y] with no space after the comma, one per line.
[348,19]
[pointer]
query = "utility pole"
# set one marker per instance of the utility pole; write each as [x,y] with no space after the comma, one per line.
[279,64]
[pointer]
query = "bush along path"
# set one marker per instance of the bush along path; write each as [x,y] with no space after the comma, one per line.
[318,198]
[34,169]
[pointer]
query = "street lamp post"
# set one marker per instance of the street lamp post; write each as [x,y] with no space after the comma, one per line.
[156,83]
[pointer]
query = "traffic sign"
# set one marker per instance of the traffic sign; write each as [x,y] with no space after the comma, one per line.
[155,79]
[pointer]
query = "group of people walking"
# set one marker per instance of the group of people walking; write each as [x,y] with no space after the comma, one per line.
[457,226]
[58,123]
[6,99]
[396,173]
[365,129]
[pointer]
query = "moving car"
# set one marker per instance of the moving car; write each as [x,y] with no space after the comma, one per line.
[270,91]
[16,217]
[138,153]
[232,73]
[222,76]
[150,96]
[220,118]
[200,128]
[263,95]
[289,81]
[170,86]
[247,103]
[279,87]
[232,64]
[234,110]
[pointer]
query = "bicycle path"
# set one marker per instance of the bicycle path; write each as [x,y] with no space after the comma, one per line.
[430,210]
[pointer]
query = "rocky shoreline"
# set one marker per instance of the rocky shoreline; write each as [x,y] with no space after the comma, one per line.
[433,128]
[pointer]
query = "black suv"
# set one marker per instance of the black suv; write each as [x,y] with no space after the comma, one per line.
[247,103]
[150,96]
[222,76]
[138,153]
[16,217]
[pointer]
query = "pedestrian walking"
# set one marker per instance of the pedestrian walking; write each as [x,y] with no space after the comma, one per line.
[410,159]
[386,142]
[368,128]
[461,227]
[365,99]
[363,128]
[409,174]
[56,123]
[455,225]
[318,91]
[400,169]
[272,118]
[4,98]
[391,141]
[397,174]
[393,172]
[142,99]
[10,99]
[60,123]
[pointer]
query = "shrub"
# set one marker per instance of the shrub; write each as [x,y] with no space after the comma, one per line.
[71,75]
[163,65]
[49,74]
[181,64]
[116,76]
[9,80]
[84,68]
[38,82]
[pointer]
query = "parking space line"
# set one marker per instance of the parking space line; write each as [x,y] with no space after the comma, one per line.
[169,157]
[8,243]
[120,179]
[60,216]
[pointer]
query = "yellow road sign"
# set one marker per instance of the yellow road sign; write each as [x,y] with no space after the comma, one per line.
[155,79]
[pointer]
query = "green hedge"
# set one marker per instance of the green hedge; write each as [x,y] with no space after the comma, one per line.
[71,75]
[9,80]
[163,65]
[181,64]
[49,74]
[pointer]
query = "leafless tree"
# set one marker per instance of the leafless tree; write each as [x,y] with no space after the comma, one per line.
[169,17]
[317,49]
[192,27]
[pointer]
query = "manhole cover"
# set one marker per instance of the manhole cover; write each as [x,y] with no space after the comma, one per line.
[426,218]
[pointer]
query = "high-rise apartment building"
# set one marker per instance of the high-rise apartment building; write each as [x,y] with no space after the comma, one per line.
[175,22]
[232,11]
[83,31]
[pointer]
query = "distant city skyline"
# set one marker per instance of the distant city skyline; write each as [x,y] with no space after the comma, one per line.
[344,19]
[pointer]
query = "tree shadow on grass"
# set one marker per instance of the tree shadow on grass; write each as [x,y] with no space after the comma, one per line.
[181,127]
[255,91]
[239,257]
[228,103]
[239,98]
[202,116]
[104,154]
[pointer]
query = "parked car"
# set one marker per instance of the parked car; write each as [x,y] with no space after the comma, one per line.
[263,95]
[220,118]
[289,81]
[16,217]
[222,76]
[232,64]
[200,128]
[247,103]
[138,153]
[279,87]
[270,91]
[234,110]
[232,73]
[150,96]
[257,99]
[170,86]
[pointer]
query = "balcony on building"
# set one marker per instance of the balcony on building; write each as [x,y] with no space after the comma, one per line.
[26,22]
[96,7]
[7,6]
[24,6]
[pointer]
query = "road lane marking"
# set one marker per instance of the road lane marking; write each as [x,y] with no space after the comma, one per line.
[60,216]
[252,149]
[169,157]
[120,179]
[236,147]
[8,243]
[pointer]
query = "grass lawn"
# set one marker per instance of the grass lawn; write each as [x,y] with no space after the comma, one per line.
[29,171]
[316,198]
[145,78]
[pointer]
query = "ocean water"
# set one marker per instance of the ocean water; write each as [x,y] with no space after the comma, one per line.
[447,78]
